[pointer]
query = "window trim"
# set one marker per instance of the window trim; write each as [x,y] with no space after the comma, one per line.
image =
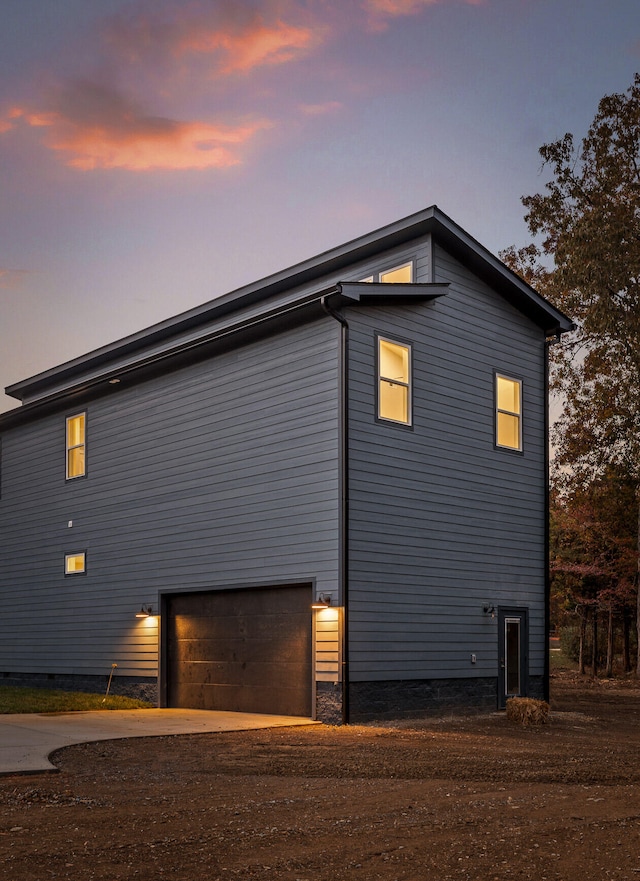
[75,572]
[500,374]
[376,277]
[383,337]
[411,263]
[68,447]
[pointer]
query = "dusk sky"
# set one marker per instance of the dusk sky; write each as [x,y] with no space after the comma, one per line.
[156,154]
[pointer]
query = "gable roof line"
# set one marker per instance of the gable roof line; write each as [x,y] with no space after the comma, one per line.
[430,220]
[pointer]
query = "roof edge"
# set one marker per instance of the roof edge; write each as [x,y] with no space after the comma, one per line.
[427,221]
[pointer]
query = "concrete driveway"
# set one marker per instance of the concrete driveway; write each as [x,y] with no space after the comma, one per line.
[28,739]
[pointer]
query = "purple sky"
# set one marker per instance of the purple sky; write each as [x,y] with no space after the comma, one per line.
[156,154]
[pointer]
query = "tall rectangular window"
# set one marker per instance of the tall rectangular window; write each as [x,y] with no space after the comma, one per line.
[76,445]
[508,412]
[394,381]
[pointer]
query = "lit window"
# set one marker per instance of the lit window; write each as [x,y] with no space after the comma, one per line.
[508,412]
[75,564]
[394,384]
[76,445]
[398,275]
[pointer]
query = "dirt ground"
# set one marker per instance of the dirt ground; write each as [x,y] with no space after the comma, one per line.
[475,798]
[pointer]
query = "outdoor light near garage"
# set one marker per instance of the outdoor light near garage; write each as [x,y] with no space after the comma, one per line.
[145,612]
[323,602]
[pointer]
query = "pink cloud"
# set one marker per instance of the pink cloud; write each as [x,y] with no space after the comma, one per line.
[167,145]
[11,278]
[409,7]
[233,37]
[9,120]
[395,8]
[252,47]
[98,127]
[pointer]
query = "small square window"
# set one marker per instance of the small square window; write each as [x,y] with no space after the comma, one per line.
[508,412]
[75,564]
[394,381]
[76,446]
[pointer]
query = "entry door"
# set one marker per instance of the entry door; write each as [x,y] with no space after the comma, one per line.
[513,654]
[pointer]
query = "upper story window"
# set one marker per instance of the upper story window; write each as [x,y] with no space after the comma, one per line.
[508,412]
[394,381]
[76,445]
[396,275]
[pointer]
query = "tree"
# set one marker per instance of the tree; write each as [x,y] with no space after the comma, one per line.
[593,557]
[589,221]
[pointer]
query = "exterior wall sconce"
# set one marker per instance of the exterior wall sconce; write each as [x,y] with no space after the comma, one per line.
[145,612]
[489,609]
[323,601]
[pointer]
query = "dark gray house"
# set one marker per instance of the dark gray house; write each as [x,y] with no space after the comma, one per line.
[367,429]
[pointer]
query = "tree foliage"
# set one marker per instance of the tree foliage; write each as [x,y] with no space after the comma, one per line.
[587,222]
[593,556]
[593,541]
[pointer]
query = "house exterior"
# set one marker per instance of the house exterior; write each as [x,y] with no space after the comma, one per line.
[367,428]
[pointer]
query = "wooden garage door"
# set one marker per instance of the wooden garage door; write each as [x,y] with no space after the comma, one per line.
[242,650]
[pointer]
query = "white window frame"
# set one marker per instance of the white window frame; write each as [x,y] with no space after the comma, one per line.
[377,276]
[74,556]
[409,263]
[498,410]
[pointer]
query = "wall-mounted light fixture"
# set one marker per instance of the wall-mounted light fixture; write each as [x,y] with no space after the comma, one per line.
[489,609]
[145,612]
[323,601]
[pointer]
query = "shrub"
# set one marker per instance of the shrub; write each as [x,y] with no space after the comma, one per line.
[527,711]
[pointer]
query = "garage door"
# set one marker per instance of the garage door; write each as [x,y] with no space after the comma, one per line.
[244,650]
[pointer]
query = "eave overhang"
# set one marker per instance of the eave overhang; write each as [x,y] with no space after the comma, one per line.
[132,353]
[306,308]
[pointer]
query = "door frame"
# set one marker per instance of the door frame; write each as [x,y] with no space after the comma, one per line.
[166,596]
[509,614]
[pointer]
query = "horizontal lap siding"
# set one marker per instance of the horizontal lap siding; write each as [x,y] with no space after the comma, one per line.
[440,521]
[221,324]
[328,642]
[221,474]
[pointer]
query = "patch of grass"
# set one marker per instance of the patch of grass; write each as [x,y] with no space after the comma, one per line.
[16,699]
[560,661]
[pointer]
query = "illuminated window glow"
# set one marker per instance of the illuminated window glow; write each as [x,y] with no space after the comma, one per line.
[508,412]
[397,275]
[75,564]
[76,446]
[394,383]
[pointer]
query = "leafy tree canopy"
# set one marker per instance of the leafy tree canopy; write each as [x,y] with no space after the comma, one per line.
[588,220]
[588,223]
